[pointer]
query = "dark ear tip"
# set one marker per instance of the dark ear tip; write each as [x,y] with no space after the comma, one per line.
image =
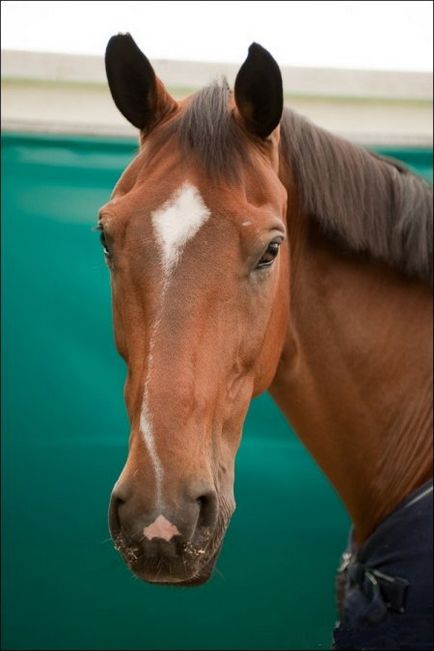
[121,36]
[121,40]
[261,56]
[257,50]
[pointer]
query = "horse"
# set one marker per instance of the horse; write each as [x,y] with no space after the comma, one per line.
[251,251]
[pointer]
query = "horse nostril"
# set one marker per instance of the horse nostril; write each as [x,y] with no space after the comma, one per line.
[114,518]
[207,510]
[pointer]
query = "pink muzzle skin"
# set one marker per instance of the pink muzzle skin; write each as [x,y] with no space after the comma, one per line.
[161,528]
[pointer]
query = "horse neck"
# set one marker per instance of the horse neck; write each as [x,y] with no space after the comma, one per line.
[355,375]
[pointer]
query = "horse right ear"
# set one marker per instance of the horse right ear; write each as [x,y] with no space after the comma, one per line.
[137,92]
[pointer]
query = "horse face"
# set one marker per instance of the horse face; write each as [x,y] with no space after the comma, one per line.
[199,268]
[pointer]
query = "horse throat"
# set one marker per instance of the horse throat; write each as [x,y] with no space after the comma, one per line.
[355,377]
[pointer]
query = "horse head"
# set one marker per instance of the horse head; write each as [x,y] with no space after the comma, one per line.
[195,238]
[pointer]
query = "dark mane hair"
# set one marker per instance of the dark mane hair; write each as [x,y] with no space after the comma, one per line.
[372,204]
[207,131]
[369,203]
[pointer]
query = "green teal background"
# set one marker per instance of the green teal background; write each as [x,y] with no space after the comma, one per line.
[64,443]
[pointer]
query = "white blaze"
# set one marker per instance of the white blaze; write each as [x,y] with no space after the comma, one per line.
[146,429]
[174,224]
[177,222]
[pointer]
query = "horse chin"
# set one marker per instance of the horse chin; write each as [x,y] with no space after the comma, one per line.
[198,575]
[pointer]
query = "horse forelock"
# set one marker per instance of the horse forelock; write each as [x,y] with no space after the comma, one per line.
[206,133]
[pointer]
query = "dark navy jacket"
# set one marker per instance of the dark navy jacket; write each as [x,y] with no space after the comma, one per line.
[388,595]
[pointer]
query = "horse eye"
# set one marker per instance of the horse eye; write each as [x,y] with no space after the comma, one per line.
[103,241]
[269,255]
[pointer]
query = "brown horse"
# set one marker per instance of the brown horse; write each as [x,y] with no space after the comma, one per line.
[249,251]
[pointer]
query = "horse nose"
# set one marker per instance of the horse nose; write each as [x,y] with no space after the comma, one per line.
[195,513]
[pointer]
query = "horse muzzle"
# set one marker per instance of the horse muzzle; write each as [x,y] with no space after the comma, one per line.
[169,547]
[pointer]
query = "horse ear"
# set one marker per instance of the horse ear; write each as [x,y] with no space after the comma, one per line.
[259,92]
[137,92]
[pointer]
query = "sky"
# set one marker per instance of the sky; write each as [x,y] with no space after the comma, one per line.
[365,34]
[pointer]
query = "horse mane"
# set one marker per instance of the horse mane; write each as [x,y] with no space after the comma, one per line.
[366,202]
[369,203]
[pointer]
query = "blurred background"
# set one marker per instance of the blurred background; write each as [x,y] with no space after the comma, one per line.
[360,69]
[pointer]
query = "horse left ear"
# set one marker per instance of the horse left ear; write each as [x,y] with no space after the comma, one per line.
[136,90]
[259,92]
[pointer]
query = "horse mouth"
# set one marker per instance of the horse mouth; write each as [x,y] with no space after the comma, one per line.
[197,576]
[191,567]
